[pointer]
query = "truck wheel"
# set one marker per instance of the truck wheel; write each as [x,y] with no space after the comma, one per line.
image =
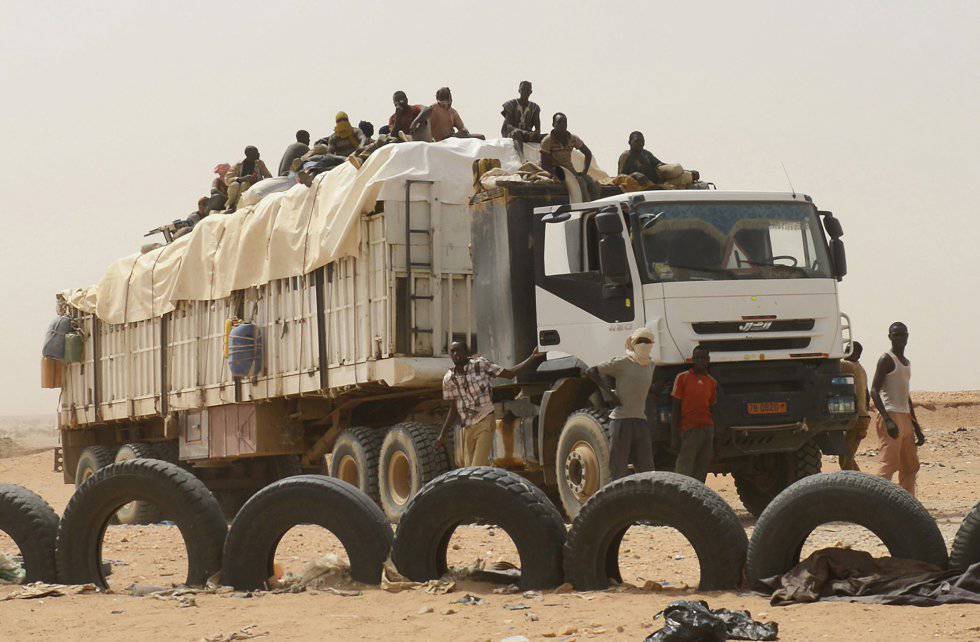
[888,511]
[966,545]
[355,459]
[178,493]
[167,451]
[92,460]
[410,458]
[33,526]
[582,461]
[340,508]
[662,498]
[137,512]
[768,475]
[488,496]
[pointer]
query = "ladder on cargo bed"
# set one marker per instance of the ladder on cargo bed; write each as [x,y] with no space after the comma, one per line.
[410,296]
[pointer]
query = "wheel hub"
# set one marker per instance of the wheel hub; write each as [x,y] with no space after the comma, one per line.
[349,471]
[582,470]
[400,478]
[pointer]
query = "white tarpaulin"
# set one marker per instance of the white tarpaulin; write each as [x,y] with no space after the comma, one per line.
[285,234]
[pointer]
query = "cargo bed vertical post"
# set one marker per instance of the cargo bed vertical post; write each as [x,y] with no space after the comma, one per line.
[410,296]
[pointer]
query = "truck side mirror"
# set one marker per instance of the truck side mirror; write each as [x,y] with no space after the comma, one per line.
[832,225]
[839,258]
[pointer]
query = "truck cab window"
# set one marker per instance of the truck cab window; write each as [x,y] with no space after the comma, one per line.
[569,267]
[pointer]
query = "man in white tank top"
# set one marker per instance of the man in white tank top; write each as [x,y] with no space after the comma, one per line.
[899,434]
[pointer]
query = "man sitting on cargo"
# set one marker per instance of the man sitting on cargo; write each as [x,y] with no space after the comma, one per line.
[442,119]
[468,385]
[401,121]
[522,118]
[243,175]
[346,139]
[638,160]
[692,424]
[556,158]
[294,151]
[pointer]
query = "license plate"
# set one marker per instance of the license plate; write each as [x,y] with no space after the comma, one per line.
[768,408]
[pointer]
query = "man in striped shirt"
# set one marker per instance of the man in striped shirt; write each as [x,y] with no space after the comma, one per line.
[469,386]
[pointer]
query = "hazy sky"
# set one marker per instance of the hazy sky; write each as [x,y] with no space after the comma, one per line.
[114,114]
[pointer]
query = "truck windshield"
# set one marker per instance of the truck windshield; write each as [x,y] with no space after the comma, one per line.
[711,241]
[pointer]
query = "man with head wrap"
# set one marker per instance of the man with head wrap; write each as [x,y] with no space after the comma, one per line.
[346,139]
[631,441]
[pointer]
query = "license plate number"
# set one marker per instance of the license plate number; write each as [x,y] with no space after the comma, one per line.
[768,408]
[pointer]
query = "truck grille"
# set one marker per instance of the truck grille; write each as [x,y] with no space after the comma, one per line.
[755,345]
[734,327]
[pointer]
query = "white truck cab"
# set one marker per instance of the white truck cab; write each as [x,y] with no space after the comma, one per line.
[752,276]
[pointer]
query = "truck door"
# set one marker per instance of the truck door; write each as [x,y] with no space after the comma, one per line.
[585,278]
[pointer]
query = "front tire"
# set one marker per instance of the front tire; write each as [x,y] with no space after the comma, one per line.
[766,476]
[582,460]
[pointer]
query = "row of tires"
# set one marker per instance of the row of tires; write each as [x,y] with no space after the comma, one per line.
[586,555]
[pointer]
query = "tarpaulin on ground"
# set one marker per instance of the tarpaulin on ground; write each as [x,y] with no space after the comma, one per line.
[840,574]
[287,233]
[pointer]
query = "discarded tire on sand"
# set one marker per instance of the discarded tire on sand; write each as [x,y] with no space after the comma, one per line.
[484,495]
[883,508]
[966,544]
[137,512]
[330,503]
[33,526]
[176,492]
[666,499]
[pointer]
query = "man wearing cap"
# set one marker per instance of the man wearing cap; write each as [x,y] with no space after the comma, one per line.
[632,441]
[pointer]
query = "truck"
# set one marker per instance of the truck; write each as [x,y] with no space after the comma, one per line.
[351,353]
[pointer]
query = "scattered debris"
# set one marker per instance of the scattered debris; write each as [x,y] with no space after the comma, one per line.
[686,620]
[516,638]
[469,600]
[247,633]
[510,589]
[564,588]
[426,609]
[36,590]
[11,570]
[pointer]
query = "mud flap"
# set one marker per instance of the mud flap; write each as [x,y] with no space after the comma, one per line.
[832,443]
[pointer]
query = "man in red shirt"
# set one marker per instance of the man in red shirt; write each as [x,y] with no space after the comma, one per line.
[692,424]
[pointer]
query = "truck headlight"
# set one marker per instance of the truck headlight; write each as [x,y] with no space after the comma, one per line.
[843,380]
[841,405]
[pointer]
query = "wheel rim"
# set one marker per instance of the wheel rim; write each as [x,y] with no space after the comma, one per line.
[582,470]
[400,478]
[349,471]
[127,513]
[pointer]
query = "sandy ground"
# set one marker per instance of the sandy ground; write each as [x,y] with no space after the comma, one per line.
[153,555]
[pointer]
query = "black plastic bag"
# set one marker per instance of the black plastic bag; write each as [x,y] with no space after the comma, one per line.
[694,622]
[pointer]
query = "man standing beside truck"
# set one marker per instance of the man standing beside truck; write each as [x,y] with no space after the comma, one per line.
[469,386]
[858,429]
[899,434]
[692,424]
[631,439]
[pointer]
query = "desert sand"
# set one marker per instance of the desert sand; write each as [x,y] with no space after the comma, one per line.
[153,556]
